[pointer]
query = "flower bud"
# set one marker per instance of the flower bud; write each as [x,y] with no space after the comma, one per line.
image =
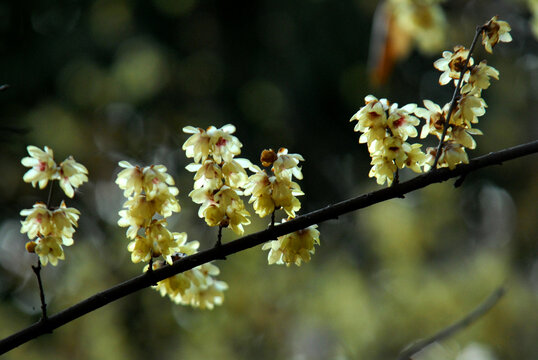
[268,157]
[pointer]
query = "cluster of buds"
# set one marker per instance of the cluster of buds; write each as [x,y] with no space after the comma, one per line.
[196,287]
[386,127]
[219,177]
[51,228]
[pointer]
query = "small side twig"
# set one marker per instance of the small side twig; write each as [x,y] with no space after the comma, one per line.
[455,95]
[37,271]
[273,218]
[470,318]
[219,242]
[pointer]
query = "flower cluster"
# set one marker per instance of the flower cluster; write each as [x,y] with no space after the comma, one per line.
[385,128]
[51,228]
[293,248]
[219,177]
[149,191]
[196,287]
[277,190]
[43,169]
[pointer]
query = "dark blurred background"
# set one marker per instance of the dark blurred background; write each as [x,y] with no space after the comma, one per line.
[113,80]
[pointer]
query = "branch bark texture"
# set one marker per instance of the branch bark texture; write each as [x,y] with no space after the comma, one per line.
[329,212]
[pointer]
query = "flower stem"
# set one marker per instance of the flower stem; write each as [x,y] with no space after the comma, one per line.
[455,96]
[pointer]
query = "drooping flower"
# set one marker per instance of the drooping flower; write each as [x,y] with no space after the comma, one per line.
[286,165]
[452,64]
[452,154]
[41,222]
[479,79]
[42,164]
[401,121]
[468,109]
[435,119]
[372,120]
[495,31]
[49,249]
[71,175]
[293,248]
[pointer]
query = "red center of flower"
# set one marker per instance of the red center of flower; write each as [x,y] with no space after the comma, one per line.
[155,180]
[221,142]
[399,122]
[42,166]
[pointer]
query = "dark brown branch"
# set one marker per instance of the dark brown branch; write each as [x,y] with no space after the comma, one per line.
[329,212]
[447,332]
[37,272]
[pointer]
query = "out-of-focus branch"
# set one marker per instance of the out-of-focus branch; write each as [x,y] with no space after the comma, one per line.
[447,332]
[329,212]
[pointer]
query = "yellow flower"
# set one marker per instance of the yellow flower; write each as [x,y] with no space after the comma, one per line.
[383,169]
[59,223]
[467,110]
[293,248]
[234,173]
[480,78]
[463,136]
[137,214]
[208,175]
[401,121]
[495,32]
[372,120]
[219,143]
[43,168]
[72,174]
[451,64]
[452,154]
[435,119]
[49,249]
[415,157]
[285,166]
[269,193]
[131,179]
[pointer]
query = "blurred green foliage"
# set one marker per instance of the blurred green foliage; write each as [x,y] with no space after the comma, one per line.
[109,80]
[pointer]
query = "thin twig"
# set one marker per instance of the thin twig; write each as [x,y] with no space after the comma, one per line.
[37,271]
[273,218]
[479,30]
[329,212]
[447,332]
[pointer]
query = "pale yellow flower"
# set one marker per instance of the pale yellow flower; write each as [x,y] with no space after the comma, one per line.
[42,164]
[451,64]
[383,169]
[131,179]
[415,157]
[218,143]
[467,110]
[59,223]
[495,31]
[49,249]
[463,136]
[234,173]
[64,220]
[401,121]
[206,297]
[158,241]
[72,174]
[452,154]
[137,214]
[435,119]
[208,175]
[372,120]
[293,248]
[480,78]
[286,165]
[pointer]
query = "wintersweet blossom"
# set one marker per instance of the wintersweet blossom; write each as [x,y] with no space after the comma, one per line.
[479,79]
[59,223]
[196,287]
[383,169]
[286,165]
[452,154]
[452,64]
[463,136]
[467,110]
[401,121]
[218,143]
[49,249]
[495,31]
[435,118]
[42,164]
[372,120]
[293,248]
[152,180]
[71,175]
[158,241]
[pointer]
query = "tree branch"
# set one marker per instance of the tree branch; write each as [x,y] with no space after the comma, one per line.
[329,212]
[447,332]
